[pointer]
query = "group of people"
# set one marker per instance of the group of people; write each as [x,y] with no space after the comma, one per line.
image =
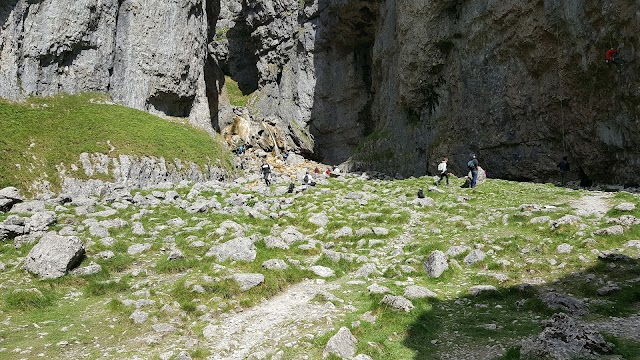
[472,165]
[307,179]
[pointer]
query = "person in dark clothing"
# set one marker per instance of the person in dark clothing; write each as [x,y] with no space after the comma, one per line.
[473,167]
[564,168]
[266,173]
[420,194]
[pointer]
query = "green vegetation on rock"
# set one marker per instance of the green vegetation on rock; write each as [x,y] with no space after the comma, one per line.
[43,133]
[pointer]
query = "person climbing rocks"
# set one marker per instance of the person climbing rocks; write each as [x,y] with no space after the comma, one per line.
[612,56]
[240,150]
[443,172]
[316,170]
[564,168]
[420,194]
[473,164]
[266,173]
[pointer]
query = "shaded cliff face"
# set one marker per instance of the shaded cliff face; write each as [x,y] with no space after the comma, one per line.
[150,55]
[518,83]
[396,85]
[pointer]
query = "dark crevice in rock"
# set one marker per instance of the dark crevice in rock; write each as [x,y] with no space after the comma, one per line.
[241,64]
[342,114]
[6,7]
[171,104]
[212,72]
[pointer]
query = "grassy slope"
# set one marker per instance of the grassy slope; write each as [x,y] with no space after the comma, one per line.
[43,133]
[436,327]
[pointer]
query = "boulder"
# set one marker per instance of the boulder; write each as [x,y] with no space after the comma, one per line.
[275,264]
[322,271]
[436,264]
[247,281]
[54,255]
[563,338]
[240,248]
[342,345]
[474,256]
[418,292]
[9,196]
[397,303]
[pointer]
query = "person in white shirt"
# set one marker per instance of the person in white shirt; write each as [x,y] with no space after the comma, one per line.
[442,169]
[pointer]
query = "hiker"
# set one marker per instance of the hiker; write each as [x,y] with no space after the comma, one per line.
[420,194]
[240,150]
[473,167]
[266,172]
[328,171]
[316,170]
[564,169]
[442,168]
[336,170]
[292,186]
[285,155]
[612,56]
[308,180]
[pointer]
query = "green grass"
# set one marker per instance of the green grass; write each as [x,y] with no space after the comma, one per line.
[236,97]
[45,132]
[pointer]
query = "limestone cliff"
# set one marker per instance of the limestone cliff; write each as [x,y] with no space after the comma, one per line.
[390,85]
[148,54]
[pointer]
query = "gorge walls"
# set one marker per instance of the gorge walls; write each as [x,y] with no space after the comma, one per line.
[384,85]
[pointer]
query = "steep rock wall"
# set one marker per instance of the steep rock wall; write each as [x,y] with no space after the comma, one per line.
[518,83]
[150,55]
[385,85]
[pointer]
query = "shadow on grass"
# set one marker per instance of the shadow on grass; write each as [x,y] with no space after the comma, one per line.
[509,315]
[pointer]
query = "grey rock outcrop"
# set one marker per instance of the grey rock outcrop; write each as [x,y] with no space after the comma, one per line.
[397,303]
[248,281]
[563,338]
[9,196]
[241,248]
[342,344]
[54,256]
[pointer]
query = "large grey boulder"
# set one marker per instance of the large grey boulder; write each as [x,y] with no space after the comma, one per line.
[54,256]
[342,345]
[563,338]
[436,264]
[241,248]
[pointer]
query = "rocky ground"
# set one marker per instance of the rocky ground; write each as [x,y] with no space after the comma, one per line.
[356,267]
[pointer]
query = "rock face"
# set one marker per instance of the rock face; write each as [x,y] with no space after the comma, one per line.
[54,255]
[390,86]
[149,55]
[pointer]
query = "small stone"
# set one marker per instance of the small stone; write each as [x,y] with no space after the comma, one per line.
[139,316]
[138,248]
[322,271]
[418,292]
[342,345]
[478,289]
[564,249]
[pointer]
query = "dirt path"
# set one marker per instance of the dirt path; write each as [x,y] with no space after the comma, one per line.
[595,204]
[277,323]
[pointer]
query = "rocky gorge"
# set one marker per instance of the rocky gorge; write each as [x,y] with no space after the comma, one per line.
[378,85]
